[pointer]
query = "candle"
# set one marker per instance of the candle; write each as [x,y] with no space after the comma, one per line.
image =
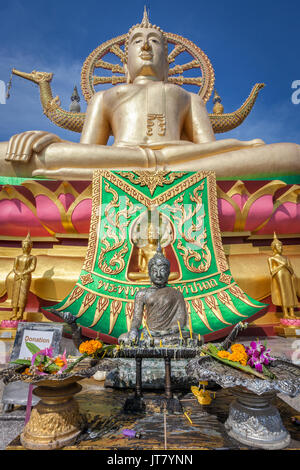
[179,330]
[190,323]
[187,416]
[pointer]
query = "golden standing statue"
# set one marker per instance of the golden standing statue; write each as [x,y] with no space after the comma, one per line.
[146,240]
[24,265]
[283,283]
[155,124]
[145,253]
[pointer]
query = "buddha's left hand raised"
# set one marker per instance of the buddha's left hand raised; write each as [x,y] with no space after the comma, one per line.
[21,146]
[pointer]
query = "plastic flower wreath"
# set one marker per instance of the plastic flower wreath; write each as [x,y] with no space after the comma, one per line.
[43,362]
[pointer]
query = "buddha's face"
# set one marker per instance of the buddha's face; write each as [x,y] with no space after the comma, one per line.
[277,247]
[159,273]
[26,247]
[146,54]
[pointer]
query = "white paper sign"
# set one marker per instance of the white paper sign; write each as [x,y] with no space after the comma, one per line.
[42,339]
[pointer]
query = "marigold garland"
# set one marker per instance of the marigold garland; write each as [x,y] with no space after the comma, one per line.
[90,347]
[238,354]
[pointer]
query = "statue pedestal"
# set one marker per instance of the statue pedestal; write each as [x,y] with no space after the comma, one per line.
[28,316]
[153,374]
[287,331]
[253,421]
[8,334]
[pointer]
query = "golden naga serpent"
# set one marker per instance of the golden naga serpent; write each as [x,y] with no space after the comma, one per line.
[221,122]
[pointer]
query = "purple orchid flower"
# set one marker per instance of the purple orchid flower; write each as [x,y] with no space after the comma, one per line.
[258,355]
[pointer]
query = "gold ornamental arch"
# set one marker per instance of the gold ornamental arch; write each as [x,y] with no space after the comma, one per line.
[96,62]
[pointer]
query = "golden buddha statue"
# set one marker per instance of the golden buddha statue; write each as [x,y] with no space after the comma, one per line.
[20,277]
[146,251]
[283,283]
[155,125]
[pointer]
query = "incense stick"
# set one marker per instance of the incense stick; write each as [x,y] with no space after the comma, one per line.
[191,329]
[148,330]
[179,330]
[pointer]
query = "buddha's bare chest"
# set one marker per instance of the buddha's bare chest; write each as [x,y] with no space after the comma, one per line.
[23,262]
[148,114]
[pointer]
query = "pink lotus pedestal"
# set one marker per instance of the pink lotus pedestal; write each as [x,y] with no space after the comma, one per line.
[288,327]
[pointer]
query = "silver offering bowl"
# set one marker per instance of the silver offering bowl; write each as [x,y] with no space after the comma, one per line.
[252,419]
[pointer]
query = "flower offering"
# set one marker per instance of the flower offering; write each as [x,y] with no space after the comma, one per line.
[44,363]
[252,359]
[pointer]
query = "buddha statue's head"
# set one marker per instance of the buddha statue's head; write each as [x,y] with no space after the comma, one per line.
[276,245]
[27,244]
[159,269]
[146,52]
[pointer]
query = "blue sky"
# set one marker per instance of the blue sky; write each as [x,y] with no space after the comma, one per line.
[246,41]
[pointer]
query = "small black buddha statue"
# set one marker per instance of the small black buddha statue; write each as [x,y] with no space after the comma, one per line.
[166,314]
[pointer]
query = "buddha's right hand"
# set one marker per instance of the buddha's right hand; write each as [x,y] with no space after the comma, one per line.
[21,146]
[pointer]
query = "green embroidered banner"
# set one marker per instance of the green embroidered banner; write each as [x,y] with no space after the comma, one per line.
[131,212]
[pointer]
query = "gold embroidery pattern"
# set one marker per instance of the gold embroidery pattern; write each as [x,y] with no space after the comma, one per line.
[152,179]
[214,223]
[200,310]
[212,303]
[96,202]
[75,295]
[116,231]
[162,198]
[129,309]
[102,305]
[195,235]
[226,278]
[237,292]
[149,203]
[87,302]
[86,279]
[225,298]
[115,309]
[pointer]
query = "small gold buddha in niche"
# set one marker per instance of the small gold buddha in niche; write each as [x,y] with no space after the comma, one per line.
[283,280]
[146,245]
